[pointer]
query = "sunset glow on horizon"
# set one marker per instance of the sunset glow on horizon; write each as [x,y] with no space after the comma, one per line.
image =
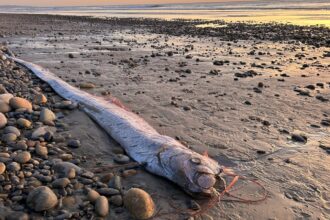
[102,2]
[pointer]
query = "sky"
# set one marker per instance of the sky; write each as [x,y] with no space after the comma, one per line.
[98,2]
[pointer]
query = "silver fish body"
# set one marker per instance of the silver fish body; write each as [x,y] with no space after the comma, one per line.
[161,155]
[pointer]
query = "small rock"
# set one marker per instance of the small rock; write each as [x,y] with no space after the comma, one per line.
[120,158]
[2,168]
[325,122]
[3,120]
[186,108]
[2,88]
[23,157]
[92,195]
[102,206]
[74,143]
[106,177]
[130,172]
[61,183]
[66,169]
[115,182]
[23,123]
[139,203]
[117,200]
[41,131]
[4,107]
[9,138]
[17,216]
[86,85]
[46,115]
[108,191]
[321,98]
[6,97]
[41,199]
[17,103]
[66,157]
[41,151]
[13,166]
[39,99]
[12,129]
[299,138]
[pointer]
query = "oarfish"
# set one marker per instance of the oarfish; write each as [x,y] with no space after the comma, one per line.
[162,155]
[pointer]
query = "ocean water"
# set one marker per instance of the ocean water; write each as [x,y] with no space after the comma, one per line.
[299,12]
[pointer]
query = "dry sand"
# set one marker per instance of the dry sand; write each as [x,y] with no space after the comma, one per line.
[245,123]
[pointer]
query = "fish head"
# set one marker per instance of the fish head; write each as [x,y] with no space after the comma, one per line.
[203,176]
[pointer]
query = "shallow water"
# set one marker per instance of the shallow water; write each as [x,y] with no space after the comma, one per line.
[297,17]
[298,12]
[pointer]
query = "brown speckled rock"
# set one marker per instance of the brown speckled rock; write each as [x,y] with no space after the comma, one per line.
[139,203]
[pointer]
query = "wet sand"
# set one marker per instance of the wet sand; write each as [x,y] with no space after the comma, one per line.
[257,103]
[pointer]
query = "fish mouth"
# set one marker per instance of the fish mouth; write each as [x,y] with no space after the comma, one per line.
[209,185]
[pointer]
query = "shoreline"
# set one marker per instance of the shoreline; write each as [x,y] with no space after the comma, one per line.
[266,31]
[256,106]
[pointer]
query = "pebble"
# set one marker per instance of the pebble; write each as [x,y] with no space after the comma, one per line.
[74,143]
[299,138]
[120,158]
[61,183]
[86,85]
[39,99]
[117,200]
[128,173]
[46,115]
[325,122]
[106,177]
[92,195]
[13,166]
[23,157]
[17,216]
[9,138]
[3,120]
[66,169]
[66,157]
[102,206]
[41,199]
[108,191]
[115,182]
[41,151]
[41,131]
[17,103]
[139,203]
[186,108]
[23,123]
[4,107]
[12,129]
[6,97]
[2,168]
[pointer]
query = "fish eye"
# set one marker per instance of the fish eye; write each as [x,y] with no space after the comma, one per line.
[196,160]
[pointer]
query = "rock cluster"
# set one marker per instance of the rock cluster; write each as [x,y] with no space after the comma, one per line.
[40,175]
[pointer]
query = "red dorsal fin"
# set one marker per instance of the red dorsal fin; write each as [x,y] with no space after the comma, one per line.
[117,102]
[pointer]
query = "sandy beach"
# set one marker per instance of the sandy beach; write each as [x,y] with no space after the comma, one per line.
[253,97]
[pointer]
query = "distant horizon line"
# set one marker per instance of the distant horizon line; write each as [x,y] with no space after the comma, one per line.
[128,4]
